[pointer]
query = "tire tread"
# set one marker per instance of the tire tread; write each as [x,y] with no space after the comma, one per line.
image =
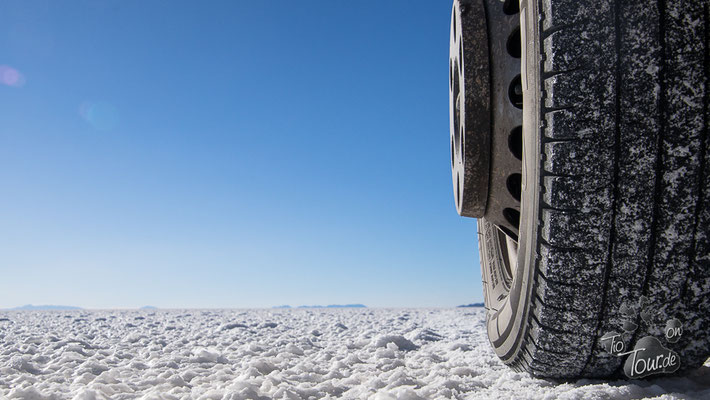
[642,216]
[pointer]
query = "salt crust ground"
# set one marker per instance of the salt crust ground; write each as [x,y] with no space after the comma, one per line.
[281,354]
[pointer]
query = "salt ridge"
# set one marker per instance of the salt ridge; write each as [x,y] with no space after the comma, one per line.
[279,354]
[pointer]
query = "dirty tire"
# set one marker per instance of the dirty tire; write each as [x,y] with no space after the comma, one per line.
[616,180]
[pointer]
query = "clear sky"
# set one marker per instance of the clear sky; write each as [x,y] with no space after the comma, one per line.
[228,154]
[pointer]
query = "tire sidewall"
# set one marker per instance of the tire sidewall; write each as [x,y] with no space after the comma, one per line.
[507,318]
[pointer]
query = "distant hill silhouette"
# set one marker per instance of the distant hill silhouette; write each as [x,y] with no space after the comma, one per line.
[148,308]
[337,306]
[30,307]
[328,306]
[471,305]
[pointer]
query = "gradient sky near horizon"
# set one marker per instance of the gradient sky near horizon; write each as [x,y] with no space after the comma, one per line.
[229,154]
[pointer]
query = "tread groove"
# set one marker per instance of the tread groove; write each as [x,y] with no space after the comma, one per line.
[546,33]
[545,243]
[553,330]
[550,74]
[540,302]
[701,172]
[560,283]
[538,347]
[615,179]
[545,173]
[658,168]
[546,139]
[547,110]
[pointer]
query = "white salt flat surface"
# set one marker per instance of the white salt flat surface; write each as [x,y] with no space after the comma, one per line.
[281,354]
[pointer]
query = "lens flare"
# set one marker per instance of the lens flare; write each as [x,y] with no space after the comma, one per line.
[11,77]
[100,115]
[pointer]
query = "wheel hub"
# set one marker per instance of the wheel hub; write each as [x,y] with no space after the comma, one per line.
[470,107]
[486,111]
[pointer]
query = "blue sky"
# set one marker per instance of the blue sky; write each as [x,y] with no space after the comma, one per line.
[228,154]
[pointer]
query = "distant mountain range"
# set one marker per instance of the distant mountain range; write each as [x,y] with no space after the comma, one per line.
[30,307]
[472,305]
[328,306]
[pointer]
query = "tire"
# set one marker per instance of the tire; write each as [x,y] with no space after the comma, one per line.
[614,213]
